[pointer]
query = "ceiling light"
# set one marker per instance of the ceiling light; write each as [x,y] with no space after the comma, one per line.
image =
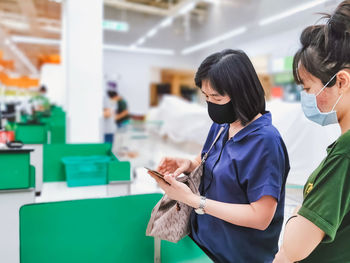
[13,24]
[52,29]
[35,40]
[45,41]
[290,12]
[141,41]
[187,8]
[152,32]
[139,50]
[166,22]
[214,41]
[21,56]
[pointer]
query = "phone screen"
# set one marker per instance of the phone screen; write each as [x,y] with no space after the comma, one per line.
[155,173]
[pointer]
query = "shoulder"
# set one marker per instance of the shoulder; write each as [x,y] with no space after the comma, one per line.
[213,131]
[342,146]
[268,135]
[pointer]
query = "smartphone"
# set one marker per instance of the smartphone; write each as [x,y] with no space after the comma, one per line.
[156,173]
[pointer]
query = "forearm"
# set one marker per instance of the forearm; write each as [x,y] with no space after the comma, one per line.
[121,115]
[301,237]
[245,215]
[195,163]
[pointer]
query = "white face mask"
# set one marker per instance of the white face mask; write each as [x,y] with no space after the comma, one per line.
[311,111]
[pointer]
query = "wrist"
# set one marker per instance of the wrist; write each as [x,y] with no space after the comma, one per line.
[194,200]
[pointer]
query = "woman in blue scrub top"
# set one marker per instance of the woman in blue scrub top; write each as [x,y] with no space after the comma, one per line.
[239,214]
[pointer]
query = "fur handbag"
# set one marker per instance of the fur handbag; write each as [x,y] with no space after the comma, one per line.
[170,220]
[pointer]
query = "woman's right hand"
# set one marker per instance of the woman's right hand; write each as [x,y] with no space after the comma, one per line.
[174,166]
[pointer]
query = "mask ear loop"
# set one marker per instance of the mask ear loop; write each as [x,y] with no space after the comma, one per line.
[318,93]
[337,102]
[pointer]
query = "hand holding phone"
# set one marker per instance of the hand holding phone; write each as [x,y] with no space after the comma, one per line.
[156,173]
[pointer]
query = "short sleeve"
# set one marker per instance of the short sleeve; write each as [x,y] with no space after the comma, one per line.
[329,200]
[264,170]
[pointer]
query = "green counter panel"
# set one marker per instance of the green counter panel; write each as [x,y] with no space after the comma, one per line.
[54,168]
[106,230]
[15,171]
[31,134]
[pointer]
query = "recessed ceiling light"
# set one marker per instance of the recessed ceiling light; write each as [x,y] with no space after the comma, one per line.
[214,41]
[290,12]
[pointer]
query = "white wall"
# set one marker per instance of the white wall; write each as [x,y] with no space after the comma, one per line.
[82,61]
[51,75]
[137,72]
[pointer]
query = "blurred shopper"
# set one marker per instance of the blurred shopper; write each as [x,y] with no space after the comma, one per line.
[239,215]
[109,114]
[40,102]
[122,117]
[320,230]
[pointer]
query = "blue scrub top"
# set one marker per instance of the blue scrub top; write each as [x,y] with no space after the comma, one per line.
[252,164]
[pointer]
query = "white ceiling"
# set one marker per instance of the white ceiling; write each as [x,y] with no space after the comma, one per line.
[221,18]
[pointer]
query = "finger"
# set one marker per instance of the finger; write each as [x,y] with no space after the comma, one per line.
[160,181]
[161,164]
[170,179]
[179,171]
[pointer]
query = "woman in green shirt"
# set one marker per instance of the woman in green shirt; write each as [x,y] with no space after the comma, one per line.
[320,230]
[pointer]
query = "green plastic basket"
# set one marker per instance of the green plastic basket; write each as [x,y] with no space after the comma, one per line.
[86,170]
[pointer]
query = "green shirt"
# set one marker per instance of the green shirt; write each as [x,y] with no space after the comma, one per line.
[41,100]
[327,203]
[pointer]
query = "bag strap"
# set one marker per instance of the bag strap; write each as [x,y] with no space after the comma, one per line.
[217,137]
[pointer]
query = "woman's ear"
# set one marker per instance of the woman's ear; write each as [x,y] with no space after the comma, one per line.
[343,78]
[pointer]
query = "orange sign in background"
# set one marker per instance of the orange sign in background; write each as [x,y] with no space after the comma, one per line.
[21,82]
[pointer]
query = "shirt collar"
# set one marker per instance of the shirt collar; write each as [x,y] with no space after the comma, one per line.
[264,120]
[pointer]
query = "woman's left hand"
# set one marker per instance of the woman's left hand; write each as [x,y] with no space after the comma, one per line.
[174,189]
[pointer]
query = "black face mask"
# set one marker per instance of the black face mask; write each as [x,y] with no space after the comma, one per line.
[222,113]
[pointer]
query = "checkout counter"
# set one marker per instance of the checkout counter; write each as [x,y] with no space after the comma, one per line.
[17,188]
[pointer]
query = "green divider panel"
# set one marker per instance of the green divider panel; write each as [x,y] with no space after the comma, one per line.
[32,176]
[15,170]
[53,154]
[106,230]
[31,133]
[54,168]
[57,125]
[185,251]
[57,133]
[118,171]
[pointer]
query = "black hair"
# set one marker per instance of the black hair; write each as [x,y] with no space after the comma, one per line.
[42,88]
[111,93]
[230,72]
[325,48]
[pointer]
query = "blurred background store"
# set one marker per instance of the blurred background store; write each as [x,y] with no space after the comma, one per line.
[61,61]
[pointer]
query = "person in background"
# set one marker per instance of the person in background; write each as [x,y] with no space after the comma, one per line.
[109,114]
[40,102]
[239,214]
[122,117]
[319,231]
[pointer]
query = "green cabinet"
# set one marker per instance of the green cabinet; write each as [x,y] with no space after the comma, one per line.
[31,133]
[16,172]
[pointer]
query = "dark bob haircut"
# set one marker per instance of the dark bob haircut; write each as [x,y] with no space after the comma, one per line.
[230,72]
